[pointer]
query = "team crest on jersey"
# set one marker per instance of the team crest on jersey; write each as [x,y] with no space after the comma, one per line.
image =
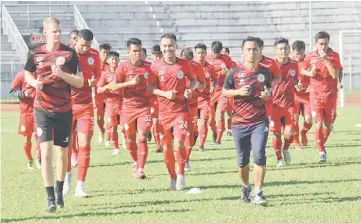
[130,72]
[39,131]
[90,60]
[39,61]
[241,81]
[260,78]
[292,73]
[208,75]
[162,72]
[180,75]
[223,66]
[146,74]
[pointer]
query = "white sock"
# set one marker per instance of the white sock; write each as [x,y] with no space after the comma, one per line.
[322,153]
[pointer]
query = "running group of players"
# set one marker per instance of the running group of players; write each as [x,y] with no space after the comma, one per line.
[61,85]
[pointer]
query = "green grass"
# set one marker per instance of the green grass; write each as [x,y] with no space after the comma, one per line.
[303,192]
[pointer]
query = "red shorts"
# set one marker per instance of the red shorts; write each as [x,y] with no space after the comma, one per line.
[192,117]
[306,108]
[204,110]
[277,114]
[83,119]
[114,114]
[26,124]
[269,107]
[100,105]
[222,102]
[323,110]
[176,122]
[154,107]
[137,121]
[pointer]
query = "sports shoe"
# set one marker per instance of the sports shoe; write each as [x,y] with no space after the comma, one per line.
[79,191]
[134,168]
[246,193]
[139,174]
[181,182]
[159,150]
[74,159]
[30,164]
[116,152]
[304,138]
[51,205]
[323,158]
[280,163]
[108,143]
[59,200]
[67,182]
[38,163]
[201,149]
[149,137]
[101,138]
[286,156]
[218,144]
[188,166]
[259,199]
[172,185]
[298,146]
[214,137]
[229,134]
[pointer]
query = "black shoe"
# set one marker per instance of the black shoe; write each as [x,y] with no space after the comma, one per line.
[201,149]
[259,199]
[51,205]
[229,133]
[149,137]
[159,150]
[246,194]
[218,144]
[323,158]
[214,137]
[60,200]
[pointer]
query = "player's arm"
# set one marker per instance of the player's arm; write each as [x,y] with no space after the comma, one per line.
[75,79]
[229,90]
[306,69]
[214,77]
[276,73]
[29,71]
[331,70]
[101,86]
[16,90]
[201,84]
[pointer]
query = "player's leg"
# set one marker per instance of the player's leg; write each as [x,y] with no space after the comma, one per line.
[99,101]
[112,122]
[192,134]
[229,115]
[26,130]
[259,141]
[72,142]
[212,120]
[62,128]
[275,127]
[144,123]
[131,141]
[221,125]
[204,116]
[169,159]
[154,110]
[307,124]
[242,142]
[318,119]
[180,128]
[296,138]
[44,129]
[290,121]
[38,150]
[329,119]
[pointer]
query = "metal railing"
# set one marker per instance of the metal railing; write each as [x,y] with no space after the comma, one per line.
[81,24]
[13,34]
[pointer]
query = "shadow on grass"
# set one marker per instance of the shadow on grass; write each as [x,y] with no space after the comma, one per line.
[93,214]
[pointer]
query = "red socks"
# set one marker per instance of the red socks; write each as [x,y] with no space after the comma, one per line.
[132,148]
[83,162]
[169,160]
[203,134]
[114,137]
[181,159]
[220,129]
[277,146]
[142,154]
[27,150]
[156,134]
[319,139]
[229,123]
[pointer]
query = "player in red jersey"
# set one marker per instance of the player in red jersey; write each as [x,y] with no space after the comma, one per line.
[249,85]
[114,99]
[323,67]
[154,105]
[170,87]
[56,67]
[132,76]
[225,51]
[302,97]
[83,112]
[221,64]
[104,50]
[26,94]
[283,102]
[204,96]
[192,103]
[73,38]
[275,70]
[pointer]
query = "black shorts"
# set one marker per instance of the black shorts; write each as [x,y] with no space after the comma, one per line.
[52,126]
[247,138]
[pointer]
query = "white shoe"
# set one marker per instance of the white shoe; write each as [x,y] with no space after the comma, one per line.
[108,143]
[101,138]
[173,185]
[67,183]
[286,156]
[181,182]
[188,166]
[116,152]
[280,163]
[38,164]
[79,192]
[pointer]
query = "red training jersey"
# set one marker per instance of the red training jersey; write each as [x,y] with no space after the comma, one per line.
[111,97]
[198,73]
[27,103]
[283,93]
[304,94]
[210,74]
[323,86]
[91,66]
[223,62]
[55,95]
[248,110]
[172,77]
